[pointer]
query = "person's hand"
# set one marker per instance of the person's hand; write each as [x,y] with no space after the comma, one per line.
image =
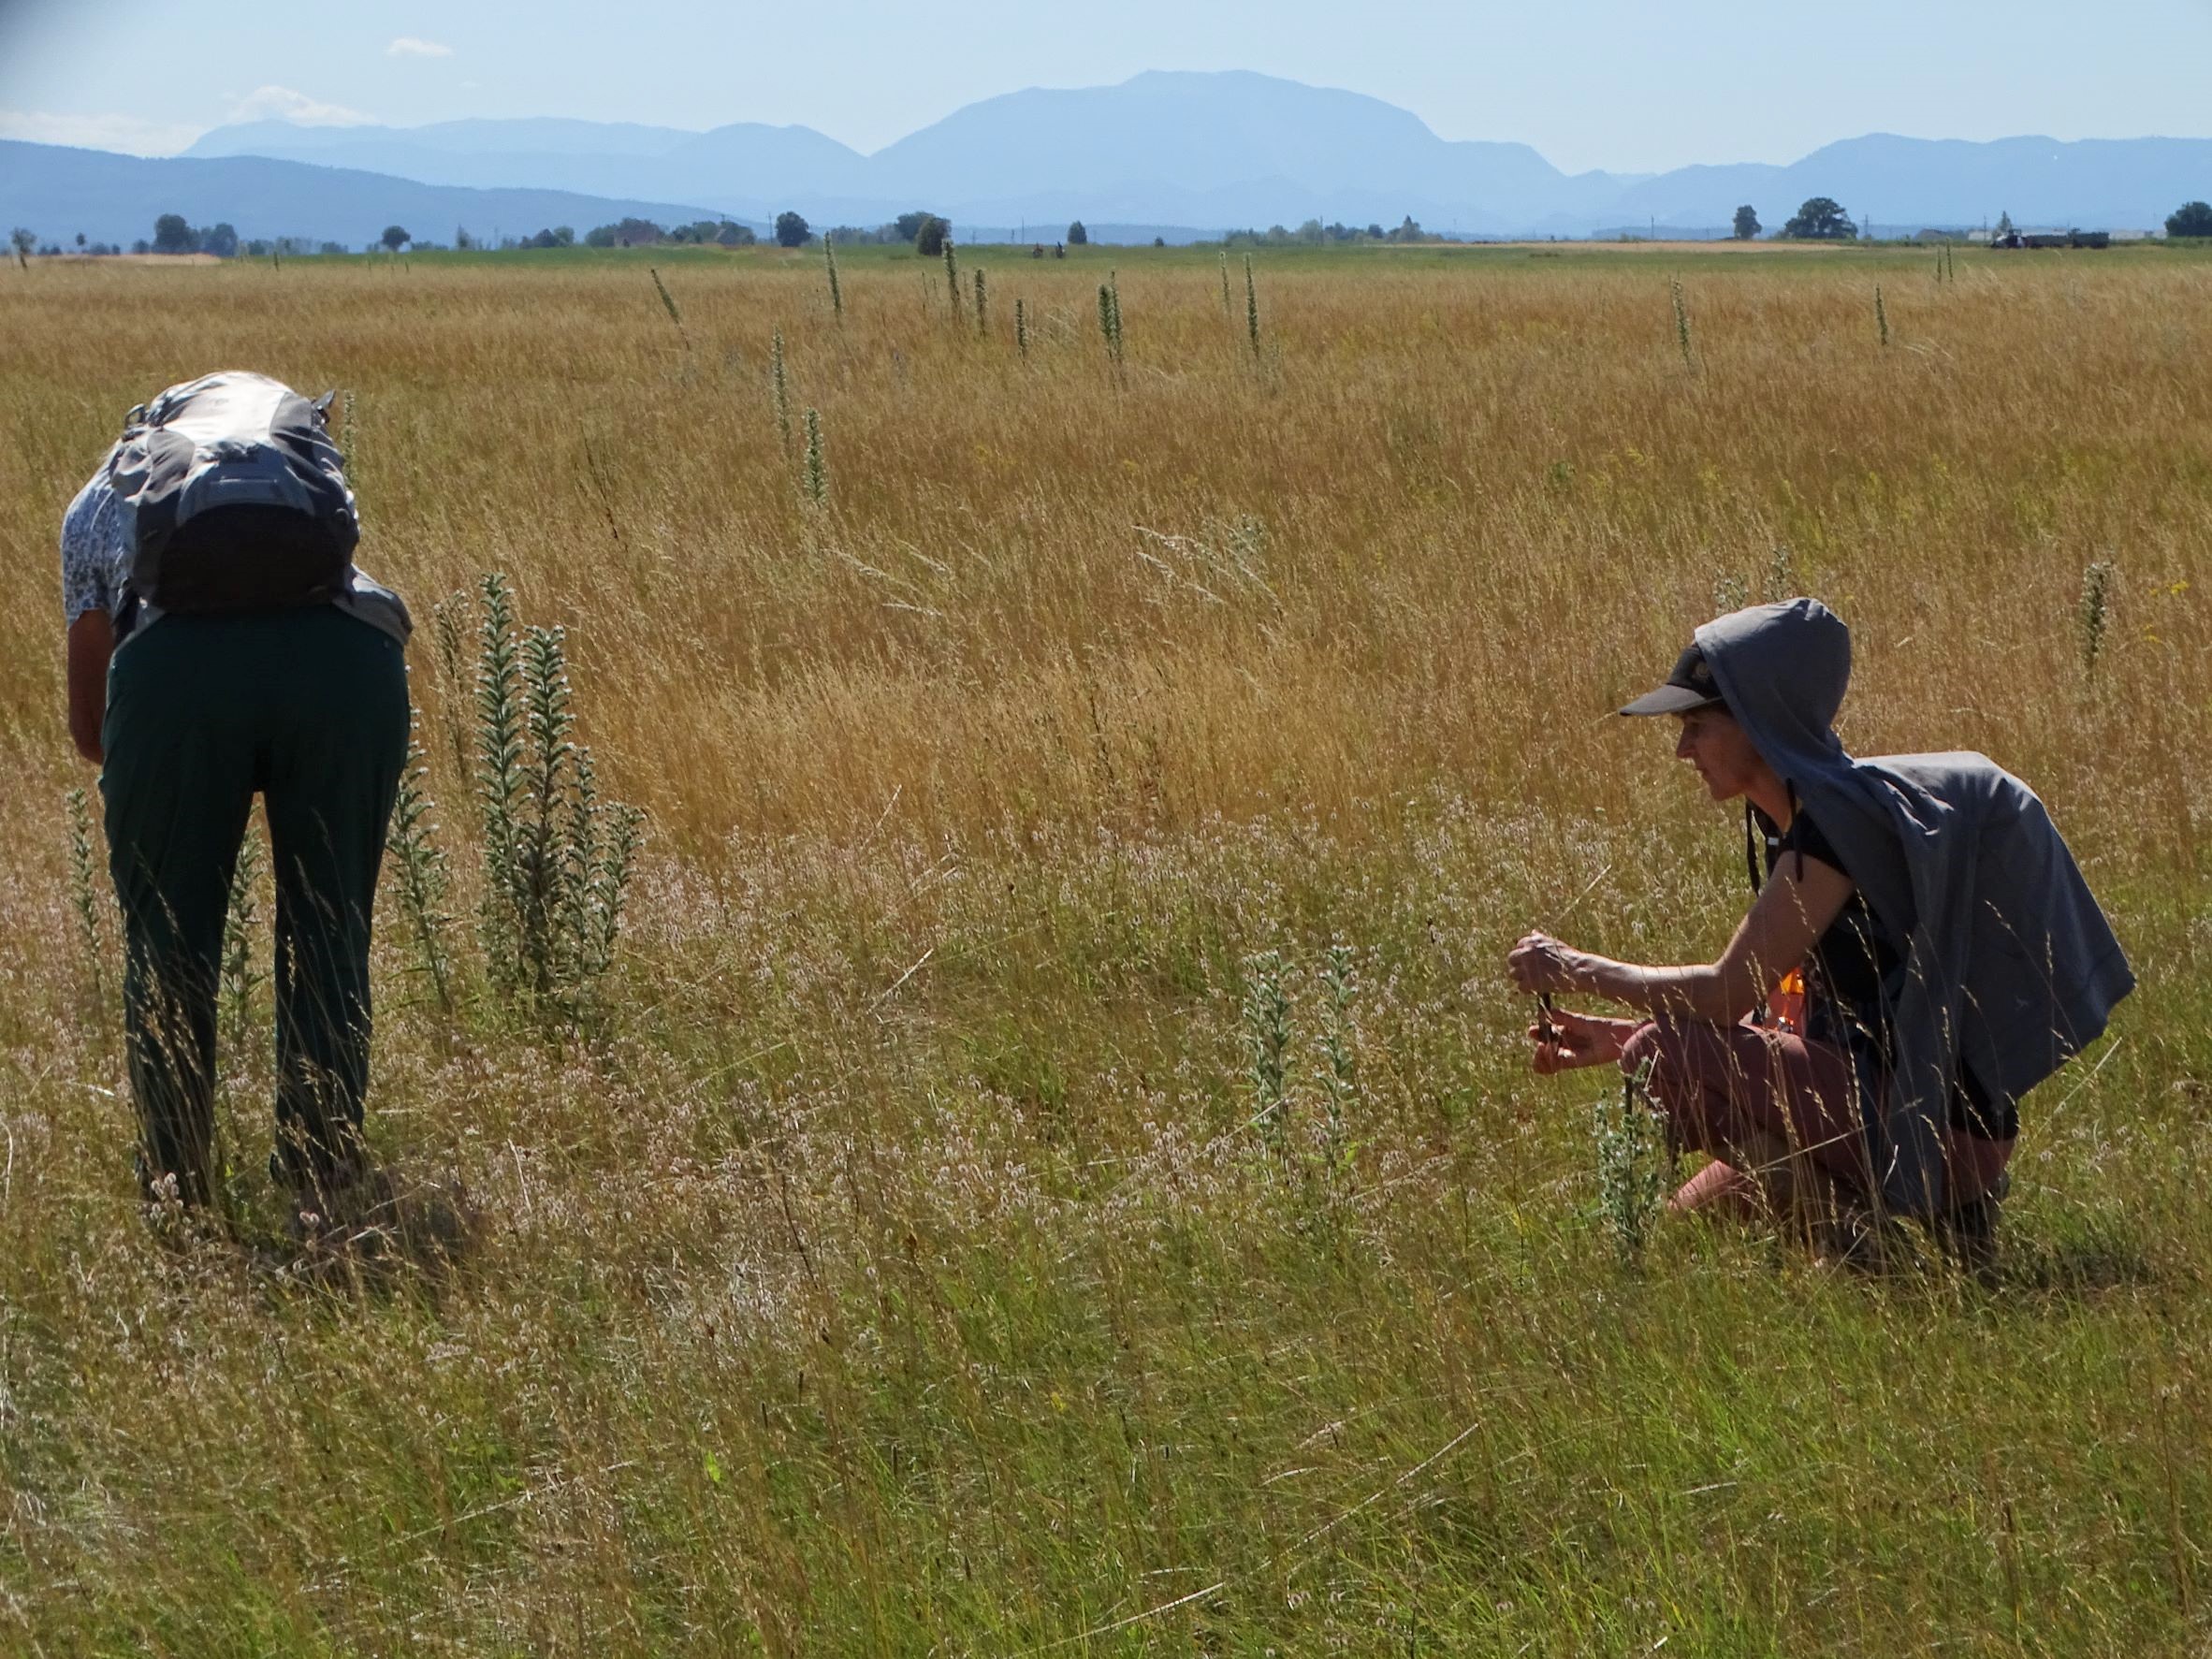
[1574,1040]
[1541,963]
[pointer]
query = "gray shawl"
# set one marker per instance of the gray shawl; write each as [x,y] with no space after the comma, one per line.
[2008,966]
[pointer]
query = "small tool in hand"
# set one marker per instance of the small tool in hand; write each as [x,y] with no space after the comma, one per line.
[1548,1030]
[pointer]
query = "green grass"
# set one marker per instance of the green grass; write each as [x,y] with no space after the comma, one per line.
[828,1320]
[896,1267]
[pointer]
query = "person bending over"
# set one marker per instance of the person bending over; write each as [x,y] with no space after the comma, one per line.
[221,645]
[1922,951]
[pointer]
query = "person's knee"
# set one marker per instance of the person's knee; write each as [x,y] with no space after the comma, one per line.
[1662,1045]
[1643,1050]
[1671,1058]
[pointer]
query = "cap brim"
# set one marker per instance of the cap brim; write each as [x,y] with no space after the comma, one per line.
[1671,700]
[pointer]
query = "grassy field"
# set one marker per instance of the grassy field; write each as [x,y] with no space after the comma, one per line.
[901,1261]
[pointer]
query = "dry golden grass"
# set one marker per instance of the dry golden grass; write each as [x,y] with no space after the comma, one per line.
[1486,497]
[899,1269]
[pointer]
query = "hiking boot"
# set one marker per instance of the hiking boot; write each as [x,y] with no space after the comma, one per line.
[1860,1239]
[1967,1233]
[343,1210]
[373,1215]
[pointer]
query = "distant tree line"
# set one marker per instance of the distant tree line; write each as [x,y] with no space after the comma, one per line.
[905,231]
[174,234]
[1314,234]
[1820,219]
[643,233]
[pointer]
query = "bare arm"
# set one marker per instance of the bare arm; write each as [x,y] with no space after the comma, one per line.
[1795,908]
[92,642]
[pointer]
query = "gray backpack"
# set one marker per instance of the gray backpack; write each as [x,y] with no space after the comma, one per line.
[234,498]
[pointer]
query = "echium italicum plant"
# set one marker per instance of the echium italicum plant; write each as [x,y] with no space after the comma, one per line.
[1267,1036]
[1635,1166]
[779,387]
[2094,613]
[1110,318]
[556,858]
[1339,1071]
[816,478]
[1324,1145]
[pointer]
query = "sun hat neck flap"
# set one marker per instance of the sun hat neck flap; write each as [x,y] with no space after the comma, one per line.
[1782,669]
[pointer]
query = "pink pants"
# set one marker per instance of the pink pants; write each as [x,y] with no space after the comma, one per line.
[1726,1090]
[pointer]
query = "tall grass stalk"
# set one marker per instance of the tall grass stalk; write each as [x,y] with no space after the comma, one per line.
[1880,315]
[1251,309]
[420,872]
[1021,327]
[837,293]
[817,477]
[983,318]
[953,278]
[240,978]
[1267,1036]
[780,389]
[668,303]
[1681,325]
[499,774]
[449,626]
[84,901]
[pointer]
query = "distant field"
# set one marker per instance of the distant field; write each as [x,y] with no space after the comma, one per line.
[905,1263]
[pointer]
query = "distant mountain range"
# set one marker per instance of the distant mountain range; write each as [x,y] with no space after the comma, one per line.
[59,192]
[1205,151]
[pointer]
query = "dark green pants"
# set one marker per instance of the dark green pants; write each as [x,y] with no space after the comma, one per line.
[307,708]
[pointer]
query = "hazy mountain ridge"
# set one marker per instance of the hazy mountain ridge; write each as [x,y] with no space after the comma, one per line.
[2110,183]
[60,191]
[1205,151]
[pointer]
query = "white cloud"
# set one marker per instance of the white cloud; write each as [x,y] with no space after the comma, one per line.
[407,45]
[131,134]
[281,103]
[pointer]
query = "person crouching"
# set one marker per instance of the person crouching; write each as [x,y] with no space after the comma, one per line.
[1922,950]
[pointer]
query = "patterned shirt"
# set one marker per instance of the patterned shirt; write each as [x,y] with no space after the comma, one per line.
[95,564]
[94,559]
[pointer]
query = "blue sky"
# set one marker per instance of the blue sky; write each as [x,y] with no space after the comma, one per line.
[1624,85]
